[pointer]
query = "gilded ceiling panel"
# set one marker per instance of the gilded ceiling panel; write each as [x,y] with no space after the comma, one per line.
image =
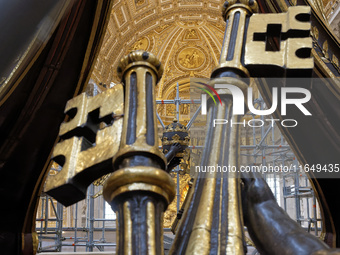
[185,35]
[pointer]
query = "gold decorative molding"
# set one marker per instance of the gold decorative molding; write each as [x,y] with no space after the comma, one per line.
[138,178]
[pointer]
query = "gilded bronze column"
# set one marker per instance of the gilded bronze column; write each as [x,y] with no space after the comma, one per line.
[212,222]
[236,14]
[140,190]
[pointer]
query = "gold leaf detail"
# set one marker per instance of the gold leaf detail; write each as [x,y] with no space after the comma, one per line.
[315,33]
[325,49]
[176,138]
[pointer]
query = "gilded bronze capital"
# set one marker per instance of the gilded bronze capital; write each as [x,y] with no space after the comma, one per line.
[250,5]
[140,58]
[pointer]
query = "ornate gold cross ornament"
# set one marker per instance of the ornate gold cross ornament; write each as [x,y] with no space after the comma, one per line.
[111,134]
[280,42]
[89,141]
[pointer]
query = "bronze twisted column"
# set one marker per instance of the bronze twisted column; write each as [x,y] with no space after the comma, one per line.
[212,222]
[140,190]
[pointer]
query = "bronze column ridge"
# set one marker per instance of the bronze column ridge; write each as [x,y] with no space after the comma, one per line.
[140,189]
[218,197]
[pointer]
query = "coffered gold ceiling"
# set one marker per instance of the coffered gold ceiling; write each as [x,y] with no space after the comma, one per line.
[185,35]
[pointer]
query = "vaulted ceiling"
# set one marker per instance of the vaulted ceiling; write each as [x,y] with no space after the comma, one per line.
[185,35]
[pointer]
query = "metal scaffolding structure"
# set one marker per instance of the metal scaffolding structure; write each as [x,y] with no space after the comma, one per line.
[90,228]
[54,235]
[289,185]
[301,192]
